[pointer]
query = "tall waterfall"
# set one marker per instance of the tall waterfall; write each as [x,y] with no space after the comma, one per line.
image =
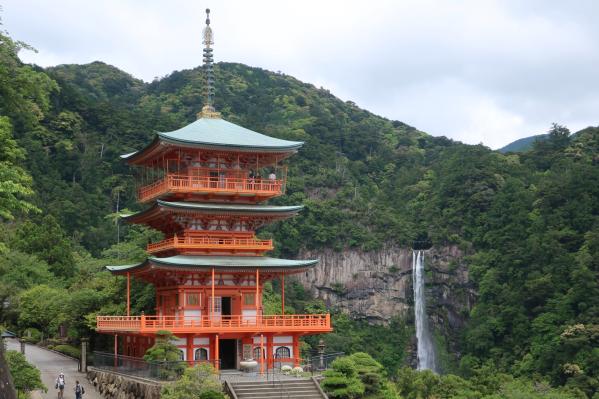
[426,350]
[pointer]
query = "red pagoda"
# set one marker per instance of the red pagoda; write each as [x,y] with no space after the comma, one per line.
[208,180]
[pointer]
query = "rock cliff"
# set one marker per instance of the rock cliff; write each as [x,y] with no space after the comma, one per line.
[377,286]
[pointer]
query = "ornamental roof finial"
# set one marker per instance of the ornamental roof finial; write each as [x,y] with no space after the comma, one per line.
[208,110]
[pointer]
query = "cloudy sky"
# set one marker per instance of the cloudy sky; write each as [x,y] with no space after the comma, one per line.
[476,71]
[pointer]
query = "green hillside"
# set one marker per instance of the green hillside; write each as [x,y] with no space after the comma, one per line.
[523,144]
[529,221]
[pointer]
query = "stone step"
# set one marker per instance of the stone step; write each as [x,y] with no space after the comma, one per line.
[274,391]
[284,389]
[288,383]
[281,395]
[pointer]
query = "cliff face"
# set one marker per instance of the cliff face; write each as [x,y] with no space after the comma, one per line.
[377,286]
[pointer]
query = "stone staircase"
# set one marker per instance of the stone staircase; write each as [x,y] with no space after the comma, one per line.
[284,389]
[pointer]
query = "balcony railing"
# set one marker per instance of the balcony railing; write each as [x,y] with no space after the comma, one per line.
[204,185]
[314,323]
[211,245]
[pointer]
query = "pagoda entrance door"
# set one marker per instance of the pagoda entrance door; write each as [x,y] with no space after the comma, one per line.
[227,353]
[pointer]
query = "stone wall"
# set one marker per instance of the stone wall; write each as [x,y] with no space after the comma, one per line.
[120,386]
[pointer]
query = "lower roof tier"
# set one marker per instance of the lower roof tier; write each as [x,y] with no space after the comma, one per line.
[195,264]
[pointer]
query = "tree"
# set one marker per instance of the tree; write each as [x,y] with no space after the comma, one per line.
[15,182]
[26,377]
[43,307]
[200,381]
[46,239]
[164,352]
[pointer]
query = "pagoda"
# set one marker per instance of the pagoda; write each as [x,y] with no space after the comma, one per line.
[205,185]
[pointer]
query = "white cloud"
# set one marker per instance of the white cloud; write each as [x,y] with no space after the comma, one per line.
[474,70]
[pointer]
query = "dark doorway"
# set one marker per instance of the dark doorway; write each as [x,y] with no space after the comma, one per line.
[227,353]
[226,306]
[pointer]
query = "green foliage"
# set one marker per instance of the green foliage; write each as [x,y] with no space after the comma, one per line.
[200,381]
[342,381]
[69,350]
[25,377]
[42,307]
[15,182]
[165,352]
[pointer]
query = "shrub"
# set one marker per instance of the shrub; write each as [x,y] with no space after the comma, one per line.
[342,381]
[200,381]
[69,350]
[33,335]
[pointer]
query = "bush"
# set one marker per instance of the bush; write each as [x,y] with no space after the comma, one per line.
[68,350]
[33,335]
[200,381]
[342,381]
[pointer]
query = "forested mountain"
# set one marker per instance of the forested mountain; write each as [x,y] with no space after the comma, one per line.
[528,222]
[523,144]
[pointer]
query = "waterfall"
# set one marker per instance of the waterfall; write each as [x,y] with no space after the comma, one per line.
[426,349]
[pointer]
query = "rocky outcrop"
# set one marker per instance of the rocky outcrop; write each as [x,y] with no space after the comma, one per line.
[377,286]
[119,386]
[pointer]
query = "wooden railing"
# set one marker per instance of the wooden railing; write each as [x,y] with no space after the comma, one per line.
[198,324]
[211,244]
[174,183]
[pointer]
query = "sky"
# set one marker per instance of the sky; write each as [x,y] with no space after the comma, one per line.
[479,71]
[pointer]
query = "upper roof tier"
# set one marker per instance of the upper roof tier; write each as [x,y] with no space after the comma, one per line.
[214,134]
[170,217]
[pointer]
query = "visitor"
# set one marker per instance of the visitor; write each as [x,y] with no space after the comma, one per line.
[272,177]
[79,390]
[60,383]
[251,179]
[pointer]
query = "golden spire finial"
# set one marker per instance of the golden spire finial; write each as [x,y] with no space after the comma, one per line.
[208,110]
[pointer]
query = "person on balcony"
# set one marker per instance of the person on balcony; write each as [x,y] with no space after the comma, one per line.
[251,179]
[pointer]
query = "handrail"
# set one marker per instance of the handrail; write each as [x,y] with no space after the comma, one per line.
[211,243]
[230,389]
[225,185]
[314,322]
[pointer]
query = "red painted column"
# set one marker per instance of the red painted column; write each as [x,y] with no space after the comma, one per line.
[216,355]
[296,351]
[116,349]
[269,352]
[189,356]
[212,299]
[261,354]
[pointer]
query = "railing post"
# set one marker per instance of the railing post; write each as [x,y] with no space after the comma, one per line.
[142,321]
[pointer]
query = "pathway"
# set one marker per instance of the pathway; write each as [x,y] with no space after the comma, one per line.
[51,364]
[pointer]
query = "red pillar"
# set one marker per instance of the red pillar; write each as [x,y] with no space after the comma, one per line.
[261,354]
[212,298]
[269,352]
[116,350]
[189,356]
[216,350]
[296,351]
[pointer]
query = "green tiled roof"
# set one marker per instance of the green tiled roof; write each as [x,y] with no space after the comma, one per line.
[220,262]
[218,133]
[216,208]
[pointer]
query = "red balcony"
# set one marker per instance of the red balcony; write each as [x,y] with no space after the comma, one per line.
[181,186]
[188,244]
[305,324]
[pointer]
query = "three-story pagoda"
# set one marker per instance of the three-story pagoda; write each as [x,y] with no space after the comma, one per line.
[210,179]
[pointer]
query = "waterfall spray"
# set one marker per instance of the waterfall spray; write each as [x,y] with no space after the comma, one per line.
[426,349]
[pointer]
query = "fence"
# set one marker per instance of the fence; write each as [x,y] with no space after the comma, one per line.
[162,371]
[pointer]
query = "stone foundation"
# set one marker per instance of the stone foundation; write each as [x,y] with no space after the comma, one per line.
[121,386]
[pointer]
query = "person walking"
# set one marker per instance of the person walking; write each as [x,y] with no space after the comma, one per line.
[79,390]
[60,383]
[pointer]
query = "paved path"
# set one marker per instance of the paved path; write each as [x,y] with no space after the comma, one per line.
[51,364]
